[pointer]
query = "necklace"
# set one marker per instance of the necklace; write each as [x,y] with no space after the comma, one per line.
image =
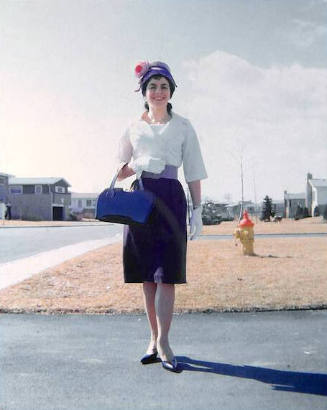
[162,120]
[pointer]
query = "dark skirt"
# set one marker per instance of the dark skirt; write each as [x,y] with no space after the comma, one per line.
[156,251]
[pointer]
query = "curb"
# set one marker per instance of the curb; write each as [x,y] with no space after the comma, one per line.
[112,312]
[55,226]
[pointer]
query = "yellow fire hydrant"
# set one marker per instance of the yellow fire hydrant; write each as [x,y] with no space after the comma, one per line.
[245,234]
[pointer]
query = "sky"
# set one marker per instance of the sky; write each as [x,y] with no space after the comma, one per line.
[251,76]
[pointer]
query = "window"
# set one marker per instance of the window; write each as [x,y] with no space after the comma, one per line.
[2,181]
[45,189]
[79,204]
[88,203]
[38,189]
[94,202]
[59,189]
[16,189]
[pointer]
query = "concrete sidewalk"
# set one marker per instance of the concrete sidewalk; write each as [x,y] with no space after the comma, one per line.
[272,360]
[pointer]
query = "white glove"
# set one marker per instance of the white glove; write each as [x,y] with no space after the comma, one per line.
[196,223]
[149,164]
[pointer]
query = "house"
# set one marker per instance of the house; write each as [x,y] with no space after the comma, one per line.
[234,209]
[45,199]
[84,205]
[4,187]
[316,194]
[4,200]
[278,207]
[291,202]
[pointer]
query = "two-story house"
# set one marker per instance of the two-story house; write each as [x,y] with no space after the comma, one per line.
[316,194]
[4,200]
[4,187]
[45,199]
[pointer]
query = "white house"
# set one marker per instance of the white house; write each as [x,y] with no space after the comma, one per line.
[84,204]
[291,202]
[316,195]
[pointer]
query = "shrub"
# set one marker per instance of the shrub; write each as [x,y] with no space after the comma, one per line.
[325,213]
[316,211]
[298,213]
[210,213]
[305,213]
[266,209]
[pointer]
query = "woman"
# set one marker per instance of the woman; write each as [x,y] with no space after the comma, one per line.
[153,147]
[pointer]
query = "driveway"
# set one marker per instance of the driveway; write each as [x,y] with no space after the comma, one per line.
[233,361]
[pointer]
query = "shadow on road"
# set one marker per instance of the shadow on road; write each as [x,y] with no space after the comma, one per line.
[309,383]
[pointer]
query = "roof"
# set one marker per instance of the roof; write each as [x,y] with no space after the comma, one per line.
[300,195]
[76,195]
[234,204]
[2,174]
[33,181]
[317,183]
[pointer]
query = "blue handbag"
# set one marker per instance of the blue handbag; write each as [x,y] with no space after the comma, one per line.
[125,207]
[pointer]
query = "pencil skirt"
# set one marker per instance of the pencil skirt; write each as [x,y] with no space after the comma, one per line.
[156,251]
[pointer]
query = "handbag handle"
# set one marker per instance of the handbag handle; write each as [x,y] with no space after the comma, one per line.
[113,182]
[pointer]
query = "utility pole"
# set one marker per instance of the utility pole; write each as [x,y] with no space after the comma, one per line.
[255,198]
[242,186]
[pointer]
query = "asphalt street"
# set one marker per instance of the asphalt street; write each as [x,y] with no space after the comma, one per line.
[271,360]
[18,243]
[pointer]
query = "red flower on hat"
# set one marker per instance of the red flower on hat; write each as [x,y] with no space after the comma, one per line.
[141,68]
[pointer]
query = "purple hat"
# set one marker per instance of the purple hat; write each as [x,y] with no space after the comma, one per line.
[145,70]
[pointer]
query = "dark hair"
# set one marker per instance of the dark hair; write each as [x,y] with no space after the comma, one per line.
[171,87]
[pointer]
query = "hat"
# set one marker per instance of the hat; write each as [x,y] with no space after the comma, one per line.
[144,70]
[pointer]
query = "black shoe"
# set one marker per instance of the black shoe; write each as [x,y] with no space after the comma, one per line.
[150,358]
[171,366]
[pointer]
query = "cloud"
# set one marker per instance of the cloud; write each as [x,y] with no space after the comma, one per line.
[273,117]
[305,33]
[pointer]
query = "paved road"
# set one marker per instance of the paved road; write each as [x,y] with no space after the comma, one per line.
[270,235]
[17,243]
[233,361]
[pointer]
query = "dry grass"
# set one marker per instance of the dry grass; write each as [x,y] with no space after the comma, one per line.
[287,273]
[286,226]
[308,225]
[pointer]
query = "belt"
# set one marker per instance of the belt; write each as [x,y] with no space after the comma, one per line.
[169,172]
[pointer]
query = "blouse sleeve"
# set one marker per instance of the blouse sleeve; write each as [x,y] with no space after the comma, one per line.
[125,148]
[193,165]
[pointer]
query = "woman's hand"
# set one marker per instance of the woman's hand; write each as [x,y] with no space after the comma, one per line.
[196,223]
[196,216]
[149,164]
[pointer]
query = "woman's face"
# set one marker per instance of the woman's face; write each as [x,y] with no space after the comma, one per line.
[157,92]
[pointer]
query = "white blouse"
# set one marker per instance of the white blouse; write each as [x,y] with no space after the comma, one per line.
[175,142]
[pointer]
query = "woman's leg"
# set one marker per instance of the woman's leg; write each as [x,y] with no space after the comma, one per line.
[165,298]
[149,293]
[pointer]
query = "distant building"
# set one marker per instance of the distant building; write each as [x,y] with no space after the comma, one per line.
[291,201]
[316,194]
[4,187]
[45,199]
[278,207]
[84,205]
[234,209]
